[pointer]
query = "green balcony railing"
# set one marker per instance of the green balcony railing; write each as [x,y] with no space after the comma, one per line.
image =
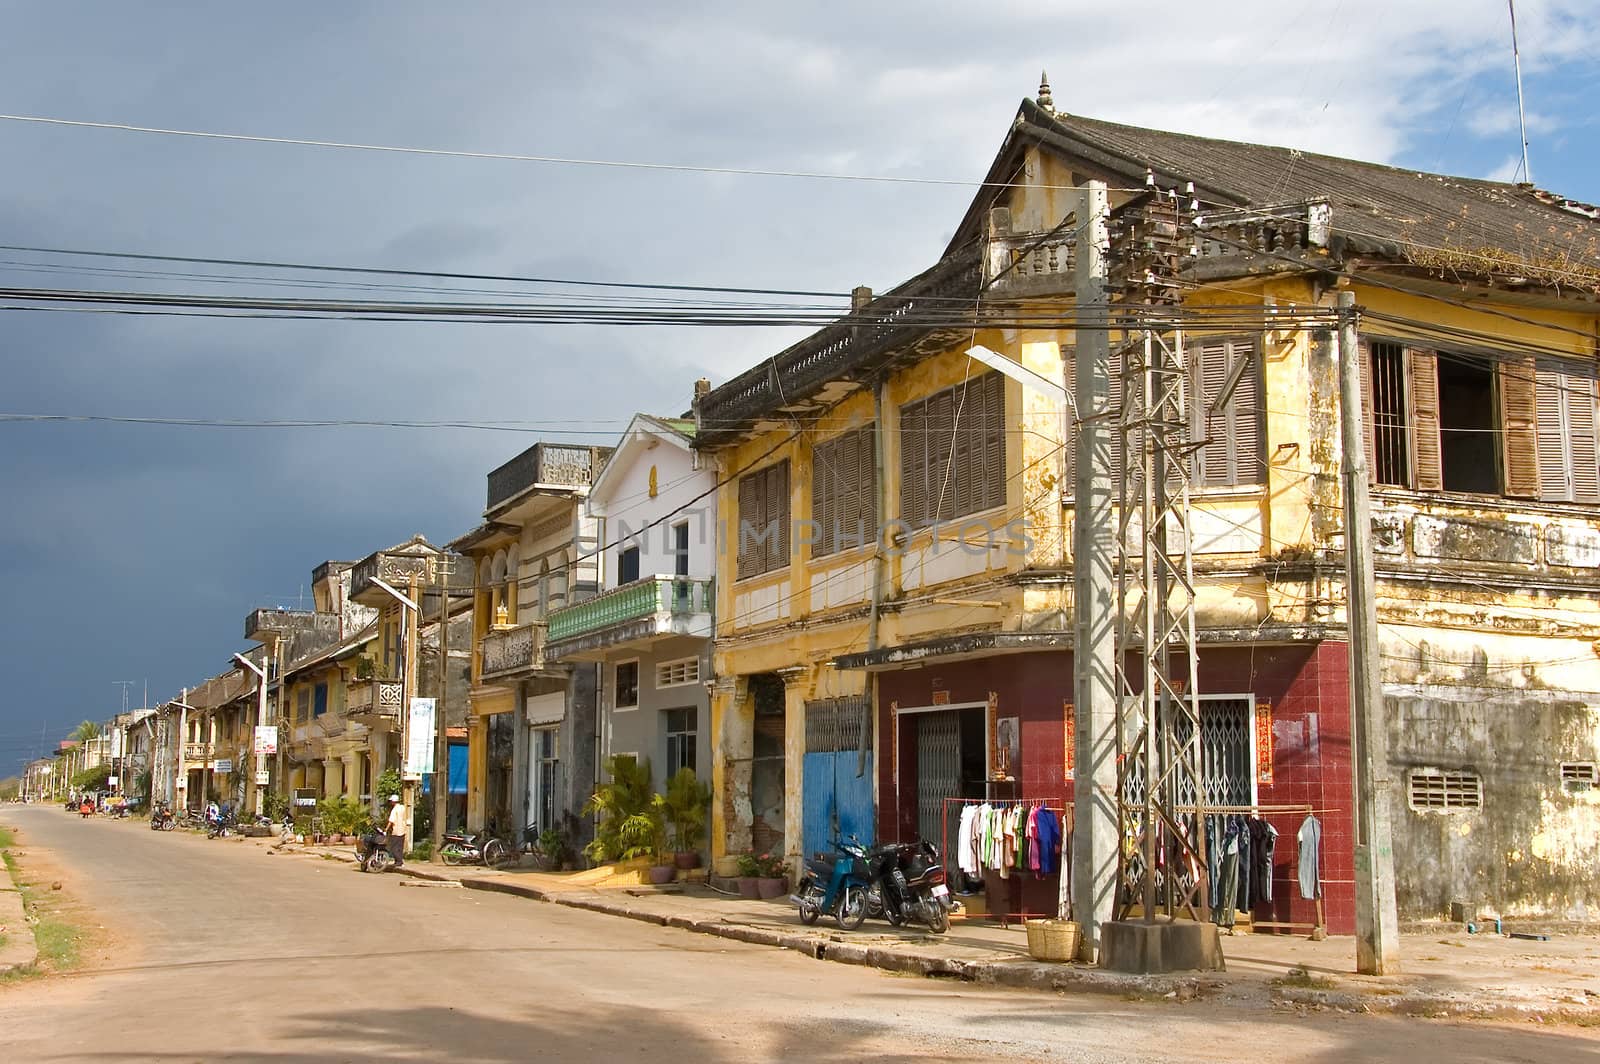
[630,602]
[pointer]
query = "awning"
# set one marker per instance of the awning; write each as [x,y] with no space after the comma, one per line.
[547,709]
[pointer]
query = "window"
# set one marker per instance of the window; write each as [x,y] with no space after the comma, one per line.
[1579,775]
[680,549]
[844,492]
[1231,432]
[627,566]
[953,452]
[319,704]
[627,677]
[763,534]
[546,772]
[302,704]
[682,730]
[1569,455]
[1432,789]
[1444,420]
[678,673]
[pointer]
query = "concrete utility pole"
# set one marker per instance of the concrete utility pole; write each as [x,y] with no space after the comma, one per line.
[1095,838]
[1377,920]
[444,569]
[408,786]
[180,780]
[252,796]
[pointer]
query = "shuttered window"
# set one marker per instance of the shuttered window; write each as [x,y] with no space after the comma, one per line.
[1568,449]
[1232,433]
[763,520]
[844,492]
[1519,437]
[953,452]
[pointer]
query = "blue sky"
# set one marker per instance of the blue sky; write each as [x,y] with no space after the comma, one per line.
[135,552]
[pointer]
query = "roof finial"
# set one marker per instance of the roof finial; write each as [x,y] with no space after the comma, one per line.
[1046,104]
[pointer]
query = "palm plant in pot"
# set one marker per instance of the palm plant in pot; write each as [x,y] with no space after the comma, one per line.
[686,804]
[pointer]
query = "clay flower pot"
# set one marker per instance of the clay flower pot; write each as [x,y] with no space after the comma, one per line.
[773,886]
[749,887]
[686,860]
[661,874]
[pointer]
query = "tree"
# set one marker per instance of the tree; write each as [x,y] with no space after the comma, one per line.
[92,779]
[85,731]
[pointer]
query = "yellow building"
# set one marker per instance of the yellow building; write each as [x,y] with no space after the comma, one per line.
[895,618]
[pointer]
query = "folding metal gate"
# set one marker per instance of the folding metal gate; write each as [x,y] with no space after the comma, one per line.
[938,777]
[836,788]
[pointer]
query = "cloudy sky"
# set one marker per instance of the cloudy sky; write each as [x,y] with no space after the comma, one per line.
[134,552]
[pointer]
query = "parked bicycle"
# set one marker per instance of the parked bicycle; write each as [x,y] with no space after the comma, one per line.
[480,848]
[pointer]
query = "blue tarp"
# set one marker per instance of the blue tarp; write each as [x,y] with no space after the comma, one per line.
[458,768]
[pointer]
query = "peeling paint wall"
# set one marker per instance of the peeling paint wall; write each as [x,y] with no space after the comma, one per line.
[1533,848]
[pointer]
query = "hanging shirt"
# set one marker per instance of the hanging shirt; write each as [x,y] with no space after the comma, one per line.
[1263,840]
[1310,836]
[983,830]
[1031,830]
[966,841]
[1049,829]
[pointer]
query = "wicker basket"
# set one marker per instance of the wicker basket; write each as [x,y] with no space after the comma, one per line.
[1052,940]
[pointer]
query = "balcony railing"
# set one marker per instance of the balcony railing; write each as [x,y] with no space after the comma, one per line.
[395,568]
[652,596]
[374,699]
[555,464]
[196,751]
[513,650]
[259,625]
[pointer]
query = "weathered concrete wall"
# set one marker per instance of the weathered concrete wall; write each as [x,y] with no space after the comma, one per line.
[1533,849]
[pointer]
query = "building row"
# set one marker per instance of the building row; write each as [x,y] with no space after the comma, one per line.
[840,587]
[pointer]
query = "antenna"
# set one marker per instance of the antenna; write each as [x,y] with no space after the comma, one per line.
[1522,121]
[124,684]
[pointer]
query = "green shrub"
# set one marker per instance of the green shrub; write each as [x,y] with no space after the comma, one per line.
[626,811]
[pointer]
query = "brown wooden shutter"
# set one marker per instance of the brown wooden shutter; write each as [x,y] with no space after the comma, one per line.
[1555,461]
[748,518]
[994,442]
[824,485]
[777,515]
[1519,428]
[1427,464]
[1113,421]
[869,479]
[961,483]
[913,462]
[1213,462]
[1069,465]
[1368,410]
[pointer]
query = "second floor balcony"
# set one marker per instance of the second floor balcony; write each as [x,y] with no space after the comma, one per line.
[197,752]
[375,703]
[633,615]
[508,652]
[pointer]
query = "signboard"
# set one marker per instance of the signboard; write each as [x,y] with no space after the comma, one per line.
[222,766]
[116,742]
[111,781]
[305,798]
[263,777]
[266,739]
[419,738]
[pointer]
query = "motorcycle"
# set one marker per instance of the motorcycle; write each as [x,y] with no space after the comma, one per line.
[372,850]
[162,819]
[223,826]
[463,848]
[835,883]
[908,885]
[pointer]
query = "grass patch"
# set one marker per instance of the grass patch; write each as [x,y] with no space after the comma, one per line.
[56,939]
[1304,980]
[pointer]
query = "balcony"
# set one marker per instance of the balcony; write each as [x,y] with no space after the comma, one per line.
[266,625]
[513,650]
[633,615]
[552,465]
[197,752]
[375,703]
[393,567]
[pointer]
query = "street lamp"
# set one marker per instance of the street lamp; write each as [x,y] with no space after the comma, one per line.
[252,797]
[408,785]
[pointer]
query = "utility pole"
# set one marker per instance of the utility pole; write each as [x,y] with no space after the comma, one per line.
[408,786]
[1095,840]
[180,780]
[444,569]
[252,796]
[1377,920]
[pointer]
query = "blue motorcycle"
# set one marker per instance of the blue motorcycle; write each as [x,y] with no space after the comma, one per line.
[835,883]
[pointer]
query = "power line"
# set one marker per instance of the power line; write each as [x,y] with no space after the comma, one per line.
[559,160]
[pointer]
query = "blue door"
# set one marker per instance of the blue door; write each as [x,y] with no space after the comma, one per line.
[837,774]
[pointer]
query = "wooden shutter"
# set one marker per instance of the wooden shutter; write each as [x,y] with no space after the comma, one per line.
[1069,465]
[1247,416]
[913,462]
[1583,432]
[1427,465]
[1368,411]
[994,442]
[1213,463]
[748,518]
[1569,454]
[1519,446]
[961,483]
[824,487]
[776,514]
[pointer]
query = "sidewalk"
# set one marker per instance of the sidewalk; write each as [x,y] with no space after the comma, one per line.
[1447,972]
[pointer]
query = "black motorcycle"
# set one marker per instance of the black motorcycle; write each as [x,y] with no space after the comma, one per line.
[372,850]
[162,820]
[908,885]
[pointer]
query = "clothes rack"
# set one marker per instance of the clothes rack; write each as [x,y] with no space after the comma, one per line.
[1319,928]
[1063,811]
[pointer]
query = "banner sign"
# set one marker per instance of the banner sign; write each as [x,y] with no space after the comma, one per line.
[266,739]
[419,738]
[263,777]
[222,766]
[305,797]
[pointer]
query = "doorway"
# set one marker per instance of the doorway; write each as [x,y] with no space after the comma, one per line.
[767,781]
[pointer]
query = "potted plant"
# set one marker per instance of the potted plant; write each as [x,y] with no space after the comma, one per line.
[772,876]
[646,835]
[685,804]
[749,875]
[551,850]
[624,796]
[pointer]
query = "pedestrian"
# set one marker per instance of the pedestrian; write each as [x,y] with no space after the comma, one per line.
[396,830]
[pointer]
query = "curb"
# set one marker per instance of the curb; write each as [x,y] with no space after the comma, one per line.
[20,950]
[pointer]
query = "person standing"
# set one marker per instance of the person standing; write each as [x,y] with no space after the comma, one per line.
[395,829]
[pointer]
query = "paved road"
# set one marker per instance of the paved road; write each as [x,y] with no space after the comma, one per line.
[229,953]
